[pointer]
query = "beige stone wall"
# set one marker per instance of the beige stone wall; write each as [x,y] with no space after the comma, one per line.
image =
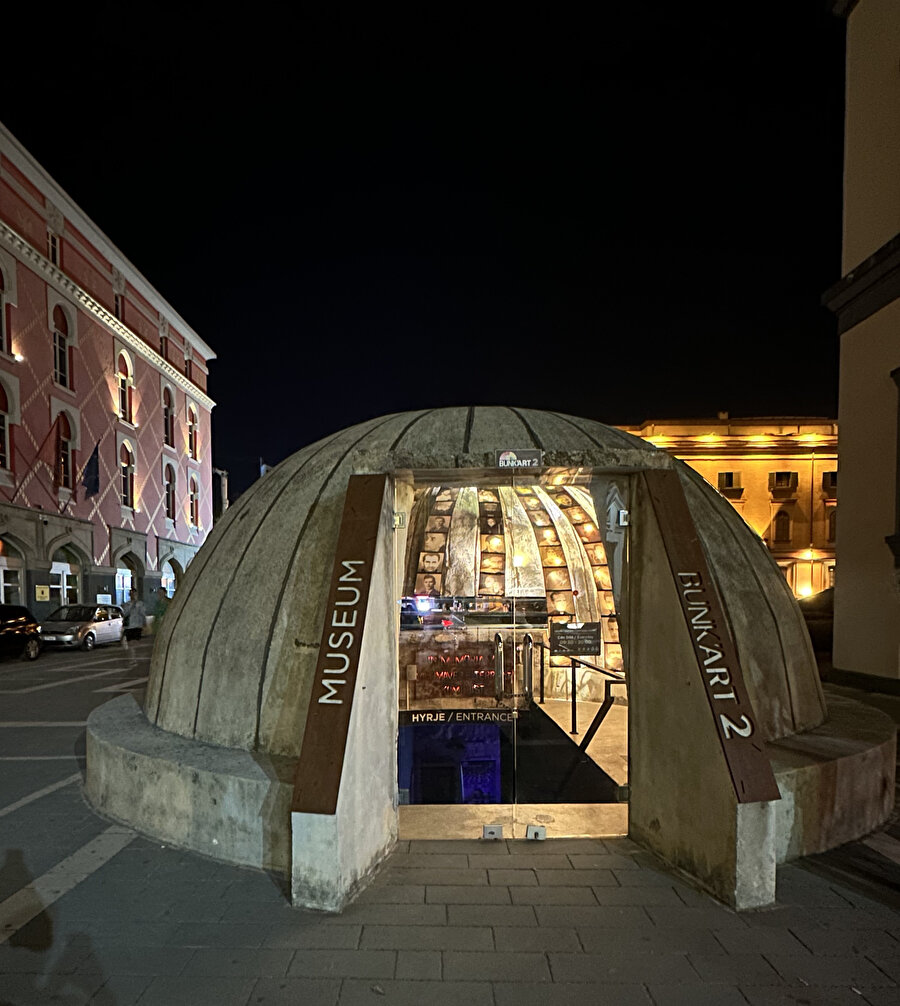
[867,600]
[751,449]
[872,132]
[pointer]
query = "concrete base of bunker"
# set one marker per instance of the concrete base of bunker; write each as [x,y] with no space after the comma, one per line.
[836,783]
[222,802]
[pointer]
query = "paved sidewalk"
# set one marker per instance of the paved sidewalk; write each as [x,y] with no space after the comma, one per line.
[445,922]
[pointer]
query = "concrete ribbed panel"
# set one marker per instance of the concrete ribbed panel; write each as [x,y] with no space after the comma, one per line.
[771,637]
[433,439]
[299,610]
[215,643]
[236,655]
[179,657]
[498,429]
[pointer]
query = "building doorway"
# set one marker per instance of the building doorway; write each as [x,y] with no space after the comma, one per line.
[65,578]
[491,713]
[12,573]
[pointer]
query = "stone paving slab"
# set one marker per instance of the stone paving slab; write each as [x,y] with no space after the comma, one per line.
[614,965]
[515,938]
[740,968]
[294,991]
[649,941]
[426,937]
[419,965]
[461,895]
[552,895]
[415,993]
[557,994]
[244,961]
[497,966]
[697,995]
[343,964]
[803,996]
[168,991]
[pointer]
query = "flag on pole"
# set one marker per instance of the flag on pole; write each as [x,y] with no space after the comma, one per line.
[90,476]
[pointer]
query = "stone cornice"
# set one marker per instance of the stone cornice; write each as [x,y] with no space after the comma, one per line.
[12,149]
[27,253]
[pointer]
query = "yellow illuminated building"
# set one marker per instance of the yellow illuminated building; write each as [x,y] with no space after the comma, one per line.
[779,473]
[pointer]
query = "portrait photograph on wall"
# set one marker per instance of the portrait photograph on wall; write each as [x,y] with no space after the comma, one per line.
[430,562]
[434,542]
[557,579]
[429,584]
[491,521]
[492,543]
[492,562]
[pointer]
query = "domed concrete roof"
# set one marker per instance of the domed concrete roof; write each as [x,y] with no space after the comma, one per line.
[235,659]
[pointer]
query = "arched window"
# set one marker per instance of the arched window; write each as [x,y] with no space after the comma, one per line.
[64,575]
[60,347]
[193,433]
[782,526]
[169,476]
[126,468]
[64,458]
[194,501]
[831,525]
[168,579]
[124,379]
[11,573]
[168,418]
[4,429]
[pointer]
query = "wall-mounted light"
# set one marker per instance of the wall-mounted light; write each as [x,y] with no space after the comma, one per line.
[18,357]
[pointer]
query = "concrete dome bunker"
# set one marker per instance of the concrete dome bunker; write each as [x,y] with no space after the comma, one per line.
[209,762]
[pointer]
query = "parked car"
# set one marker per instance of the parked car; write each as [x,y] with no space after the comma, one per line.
[818,612]
[19,632]
[84,625]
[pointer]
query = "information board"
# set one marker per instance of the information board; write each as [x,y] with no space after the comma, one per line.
[575,640]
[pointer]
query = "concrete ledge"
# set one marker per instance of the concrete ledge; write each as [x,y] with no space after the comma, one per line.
[222,802]
[836,781]
[562,820]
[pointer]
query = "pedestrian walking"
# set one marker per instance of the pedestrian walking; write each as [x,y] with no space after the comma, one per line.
[135,618]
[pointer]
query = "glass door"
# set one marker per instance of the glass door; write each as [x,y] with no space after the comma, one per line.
[490,711]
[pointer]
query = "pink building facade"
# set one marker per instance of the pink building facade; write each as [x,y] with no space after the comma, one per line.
[105,460]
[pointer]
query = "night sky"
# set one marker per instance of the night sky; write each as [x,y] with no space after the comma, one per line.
[627,217]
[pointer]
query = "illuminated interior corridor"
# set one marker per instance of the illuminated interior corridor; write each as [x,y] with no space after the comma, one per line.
[491,574]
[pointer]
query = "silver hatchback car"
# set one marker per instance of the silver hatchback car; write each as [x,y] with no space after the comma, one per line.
[84,625]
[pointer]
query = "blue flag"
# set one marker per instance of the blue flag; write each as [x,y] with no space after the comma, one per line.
[90,477]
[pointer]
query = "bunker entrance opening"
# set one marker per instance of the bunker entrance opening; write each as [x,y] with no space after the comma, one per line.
[512,684]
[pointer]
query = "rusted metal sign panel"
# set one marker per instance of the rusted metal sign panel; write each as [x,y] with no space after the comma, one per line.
[317,780]
[714,648]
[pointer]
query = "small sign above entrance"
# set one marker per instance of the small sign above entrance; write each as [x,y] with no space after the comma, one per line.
[520,459]
[575,639]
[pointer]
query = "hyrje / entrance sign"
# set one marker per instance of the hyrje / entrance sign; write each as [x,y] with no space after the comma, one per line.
[714,648]
[317,778]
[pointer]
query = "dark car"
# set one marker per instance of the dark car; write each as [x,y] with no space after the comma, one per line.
[818,612]
[20,634]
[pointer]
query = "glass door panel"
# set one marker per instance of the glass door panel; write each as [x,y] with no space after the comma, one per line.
[485,707]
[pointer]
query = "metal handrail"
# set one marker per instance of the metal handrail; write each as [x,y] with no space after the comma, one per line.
[615,675]
[527,664]
[499,669]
